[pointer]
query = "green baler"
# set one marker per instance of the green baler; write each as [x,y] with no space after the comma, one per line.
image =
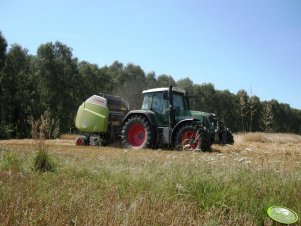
[92,116]
[100,119]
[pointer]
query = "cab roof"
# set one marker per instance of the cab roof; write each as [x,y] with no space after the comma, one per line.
[175,89]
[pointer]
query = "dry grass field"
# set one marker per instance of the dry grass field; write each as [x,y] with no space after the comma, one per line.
[232,185]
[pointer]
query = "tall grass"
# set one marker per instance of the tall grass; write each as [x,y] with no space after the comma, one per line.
[279,138]
[107,186]
[9,161]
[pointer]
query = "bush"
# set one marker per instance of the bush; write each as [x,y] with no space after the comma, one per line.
[42,161]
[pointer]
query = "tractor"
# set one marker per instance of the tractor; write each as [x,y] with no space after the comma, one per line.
[165,120]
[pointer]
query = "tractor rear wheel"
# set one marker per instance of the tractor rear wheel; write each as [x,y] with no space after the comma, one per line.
[189,137]
[137,133]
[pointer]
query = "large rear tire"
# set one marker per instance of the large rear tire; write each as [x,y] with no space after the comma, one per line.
[137,133]
[192,138]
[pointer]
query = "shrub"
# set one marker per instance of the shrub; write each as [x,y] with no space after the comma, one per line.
[42,161]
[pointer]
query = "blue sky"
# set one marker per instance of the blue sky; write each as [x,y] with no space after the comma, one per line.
[252,44]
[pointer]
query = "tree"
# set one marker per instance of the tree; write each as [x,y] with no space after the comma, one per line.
[243,100]
[267,116]
[131,84]
[165,81]
[206,98]
[54,82]
[95,80]
[59,83]
[150,80]
[115,70]
[227,109]
[3,46]
[17,90]
[185,84]
[252,103]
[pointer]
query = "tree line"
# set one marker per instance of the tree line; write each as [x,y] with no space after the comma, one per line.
[53,83]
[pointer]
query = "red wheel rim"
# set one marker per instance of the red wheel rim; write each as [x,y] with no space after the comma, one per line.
[136,135]
[190,138]
[79,141]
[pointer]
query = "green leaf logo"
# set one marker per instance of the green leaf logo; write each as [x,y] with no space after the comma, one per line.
[282,215]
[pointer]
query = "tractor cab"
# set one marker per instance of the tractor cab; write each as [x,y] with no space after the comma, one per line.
[159,101]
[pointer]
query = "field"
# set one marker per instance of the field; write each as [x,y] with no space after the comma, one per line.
[232,185]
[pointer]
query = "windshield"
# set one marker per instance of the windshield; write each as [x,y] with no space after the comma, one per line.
[156,102]
[147,101]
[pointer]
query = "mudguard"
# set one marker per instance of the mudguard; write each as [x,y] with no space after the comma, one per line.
[179,124]
[148,114]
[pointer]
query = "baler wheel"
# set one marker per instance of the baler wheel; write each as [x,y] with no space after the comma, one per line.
[81,141]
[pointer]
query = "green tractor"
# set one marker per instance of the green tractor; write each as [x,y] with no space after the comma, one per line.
[165,120]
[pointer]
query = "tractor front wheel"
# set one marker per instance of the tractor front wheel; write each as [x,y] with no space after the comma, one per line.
[137,133]
[190,137]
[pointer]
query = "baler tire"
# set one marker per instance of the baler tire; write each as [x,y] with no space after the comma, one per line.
[137,133]
[81,141]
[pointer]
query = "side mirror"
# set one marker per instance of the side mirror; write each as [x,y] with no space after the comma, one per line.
[165,95]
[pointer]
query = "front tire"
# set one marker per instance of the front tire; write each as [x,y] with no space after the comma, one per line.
[137,133]
[192,138]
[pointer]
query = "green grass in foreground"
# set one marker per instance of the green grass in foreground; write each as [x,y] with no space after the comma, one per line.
[114,187]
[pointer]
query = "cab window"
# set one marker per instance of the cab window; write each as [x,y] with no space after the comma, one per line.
[147,101]
[159,104]
[178,102]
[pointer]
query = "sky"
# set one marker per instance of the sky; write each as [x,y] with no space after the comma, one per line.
[253,45]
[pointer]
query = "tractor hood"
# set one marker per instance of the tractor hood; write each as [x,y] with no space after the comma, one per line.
[203,117]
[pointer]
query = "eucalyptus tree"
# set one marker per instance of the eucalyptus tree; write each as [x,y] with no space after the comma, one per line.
[17,90]
[59,83]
